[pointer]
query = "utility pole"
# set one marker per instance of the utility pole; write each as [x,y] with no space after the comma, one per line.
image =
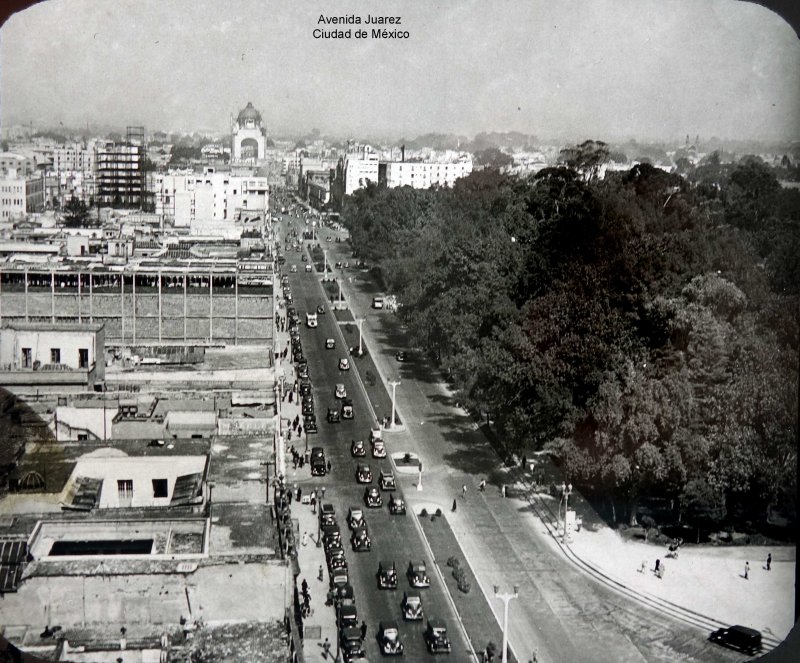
[506,599]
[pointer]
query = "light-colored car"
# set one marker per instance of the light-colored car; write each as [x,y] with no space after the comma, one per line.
[293,269]
[355,518]
[344,364]
[389,639]
[341,392]
[308,267]
[386,480]
[330,343]
[378,449]
[411,606]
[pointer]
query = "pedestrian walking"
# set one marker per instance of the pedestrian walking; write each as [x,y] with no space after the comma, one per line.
[304,586]
[643,566]
[329,470]
[658,566]
[455,504]
[503,490]
[302,462]
[363,630]
[769,561]
[326,647]
[299,430]
[464,491]
[304,542]
[482,485]
[320,576]
[290,396]
[747,570]
[299,493]
[294,461]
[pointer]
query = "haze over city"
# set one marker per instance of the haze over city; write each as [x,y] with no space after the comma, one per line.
[611,69]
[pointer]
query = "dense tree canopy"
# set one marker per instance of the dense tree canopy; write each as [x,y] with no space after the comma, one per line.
[642,327]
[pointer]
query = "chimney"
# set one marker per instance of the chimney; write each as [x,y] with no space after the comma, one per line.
[402,153]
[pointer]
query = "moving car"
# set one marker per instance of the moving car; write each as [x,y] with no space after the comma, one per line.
[372,497]
[418,575]
[330,343]
[355,517]
[357,449]
[411,606]
[320,309]
[436,637]
[364,474]
[387,575]
[318,467]
[386,480]
[308,267]
[360,539]
[741,638]
[340,392]
[397,507]
[378,449]
[347,408]
[375,433]
[401,356]
[344,364]
[389,638]
[333,416]
[293,269]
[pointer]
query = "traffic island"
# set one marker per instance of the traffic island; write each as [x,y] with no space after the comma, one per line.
[472,606]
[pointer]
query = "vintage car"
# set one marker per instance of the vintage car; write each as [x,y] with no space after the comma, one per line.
[740,638]
[302,370]
[333,416]
[293,269]
[311,426]
[411,606]
[320,309]
[331,532]
[386,480]
[378,449]
[346,615]
[401,356]
[387,575]
[360,540]
[308,267]
[308,406]
[337,561]
[298,355]
[418,575]
[352,646]
[330,343]
[389,638]
[355,517]
[343,594]
[327,514]
[344,364]
[397,507]
[436,637]
[347,408]
[375,433]
[340,391]
[357,449]
[318,465]
[364,474]
[305,387]
[372,497]
[338,578]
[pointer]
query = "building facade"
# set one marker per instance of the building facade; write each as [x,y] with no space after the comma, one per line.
[360,168]
[423,175]
[119,171]
[21,195]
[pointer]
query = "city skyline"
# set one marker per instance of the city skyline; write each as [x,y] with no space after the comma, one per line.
[718,68]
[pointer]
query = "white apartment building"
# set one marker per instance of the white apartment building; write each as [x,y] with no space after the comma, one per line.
[360,168]
[212,196]
[74,157]
[20,195]
[423,175]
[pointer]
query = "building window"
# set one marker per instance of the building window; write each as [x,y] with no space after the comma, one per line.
[83,358]
[27,358]
[55,355]
[83,437]
[160,488]
[125,488]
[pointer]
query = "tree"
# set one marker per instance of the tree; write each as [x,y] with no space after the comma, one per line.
[586,158]
[648,524]
[493,157]
[76,213]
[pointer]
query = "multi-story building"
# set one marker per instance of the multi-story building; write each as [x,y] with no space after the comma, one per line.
[119,168]
[248,136]
[74,157]
[211,196]
[19,163]
[21,195]
[360,168]
[423,175]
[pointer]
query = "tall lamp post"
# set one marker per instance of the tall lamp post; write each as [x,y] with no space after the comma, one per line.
[325,268]
[359,322]
[566,491]
[394,384]
[506,599]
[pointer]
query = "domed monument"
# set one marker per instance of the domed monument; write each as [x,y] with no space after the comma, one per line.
[248,135]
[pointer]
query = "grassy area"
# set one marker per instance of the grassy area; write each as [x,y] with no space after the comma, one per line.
[471,606]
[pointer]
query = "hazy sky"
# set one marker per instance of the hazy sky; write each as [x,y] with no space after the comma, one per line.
[606,69]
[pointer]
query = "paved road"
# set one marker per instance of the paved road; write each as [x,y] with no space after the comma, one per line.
[561,613]
[393,537]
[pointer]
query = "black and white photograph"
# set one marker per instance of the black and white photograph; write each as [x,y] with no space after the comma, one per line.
[443,330]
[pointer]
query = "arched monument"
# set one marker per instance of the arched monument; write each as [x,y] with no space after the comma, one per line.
[248,135]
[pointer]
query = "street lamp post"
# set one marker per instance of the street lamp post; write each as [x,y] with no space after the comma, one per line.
[325,267]
[394,384]
[359,322]
[506,599]
[566,491]
[266,465]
